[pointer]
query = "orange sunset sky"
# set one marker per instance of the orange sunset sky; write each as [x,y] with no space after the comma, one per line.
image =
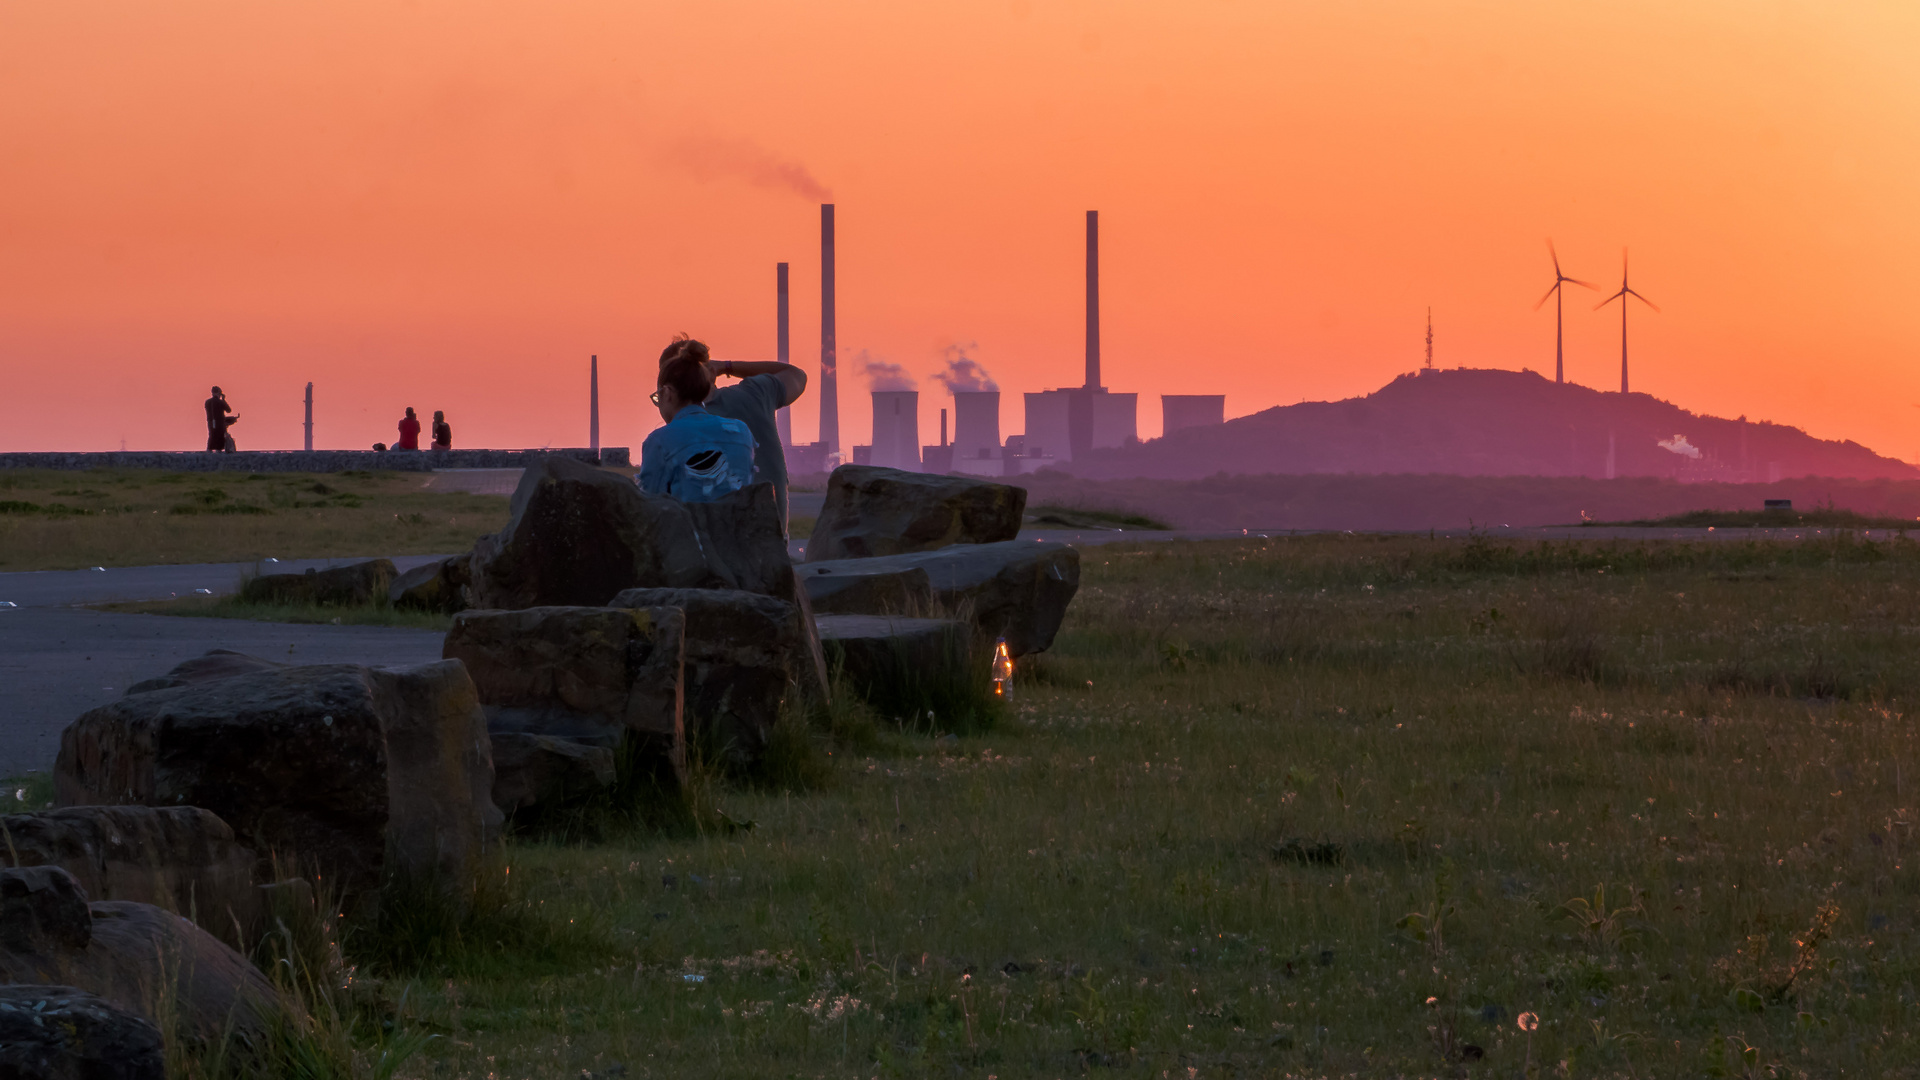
[452,204]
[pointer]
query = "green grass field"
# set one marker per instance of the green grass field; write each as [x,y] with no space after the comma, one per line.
[1319,806]
[66,520]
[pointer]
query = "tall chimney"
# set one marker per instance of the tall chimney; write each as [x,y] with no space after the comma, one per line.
[310,416]
[783,423]
[943,428]
[1093,300]
[829,365]
[593,405]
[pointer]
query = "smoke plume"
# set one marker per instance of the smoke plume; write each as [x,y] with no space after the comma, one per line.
[964,374]
[710,159]
[1679,445]
[883,375]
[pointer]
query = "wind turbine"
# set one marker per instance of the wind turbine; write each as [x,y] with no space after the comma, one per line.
[1625,291]
[1559,280]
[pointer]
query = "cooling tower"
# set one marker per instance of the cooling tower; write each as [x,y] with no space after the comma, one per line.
[896,429]
[976,425]
[1179,411]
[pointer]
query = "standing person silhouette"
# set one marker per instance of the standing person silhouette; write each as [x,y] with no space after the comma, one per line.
[442,431]
[218,421]
[409,432]
[764,388]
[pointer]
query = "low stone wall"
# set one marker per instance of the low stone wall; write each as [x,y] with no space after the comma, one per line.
[264,461]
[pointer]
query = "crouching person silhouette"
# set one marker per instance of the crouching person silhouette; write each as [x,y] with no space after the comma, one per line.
[697,456]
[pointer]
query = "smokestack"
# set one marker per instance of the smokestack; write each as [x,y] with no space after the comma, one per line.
[829,365]
[593,404]
[943,426]
[1093,300]
[309,417]
[783,423]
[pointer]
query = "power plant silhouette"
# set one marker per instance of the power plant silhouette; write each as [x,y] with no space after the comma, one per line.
[1060,424]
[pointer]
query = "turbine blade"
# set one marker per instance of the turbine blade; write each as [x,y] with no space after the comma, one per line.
[1583,284]
[1644,300]
[1609,300]
[1555,255]
[1549,296]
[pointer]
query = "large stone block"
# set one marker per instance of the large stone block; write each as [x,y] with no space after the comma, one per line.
[182,858]
[543,771]
[747,655]
[872,511]
[139,958]
[351,585]
[857,587]
[884,653]
[296,760]
[62,1033]
[1017,589]
[578,535]
[591,674]
[210,666]
[435,586]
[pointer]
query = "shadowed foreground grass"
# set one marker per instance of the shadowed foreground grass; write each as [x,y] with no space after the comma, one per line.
[66,520]
[1314,806]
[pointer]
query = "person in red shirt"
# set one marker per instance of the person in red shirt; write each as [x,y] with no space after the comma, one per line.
[409,432]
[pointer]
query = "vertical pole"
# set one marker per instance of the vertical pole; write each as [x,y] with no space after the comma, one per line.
[309,416]
[1559,364]
[1623,343]
[783,422]
[1093,300]
[829,365]
[943,427]
[593,405]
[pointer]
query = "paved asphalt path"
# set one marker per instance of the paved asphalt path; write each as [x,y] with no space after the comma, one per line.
[58,660]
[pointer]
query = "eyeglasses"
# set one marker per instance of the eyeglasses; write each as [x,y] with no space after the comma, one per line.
[654,397]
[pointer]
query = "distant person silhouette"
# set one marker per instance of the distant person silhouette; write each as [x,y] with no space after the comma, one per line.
[409,432]
[765,387]
[218,421]
[442,431]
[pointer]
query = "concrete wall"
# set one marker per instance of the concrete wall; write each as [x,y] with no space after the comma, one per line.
[305,460]
[1047,425]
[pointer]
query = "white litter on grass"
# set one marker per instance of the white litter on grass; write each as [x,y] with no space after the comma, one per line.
[8,603]
[102,569]
[204,592]
[269,559]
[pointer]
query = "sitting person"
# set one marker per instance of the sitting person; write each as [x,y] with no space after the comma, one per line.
[765,388]
[409,432]
[697,456]
[442,431]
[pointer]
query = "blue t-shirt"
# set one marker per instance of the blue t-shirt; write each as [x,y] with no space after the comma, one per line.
[696,457]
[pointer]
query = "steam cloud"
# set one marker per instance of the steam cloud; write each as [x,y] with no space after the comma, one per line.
[1679,445]
[709,159]
[964,374]
[883,375]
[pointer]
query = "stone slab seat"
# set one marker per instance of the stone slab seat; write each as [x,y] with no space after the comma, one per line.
[352,585]
[1016,588]
[748,656]
[61,1032]
[338,769]
[872,649]
[873,511]
[596,675]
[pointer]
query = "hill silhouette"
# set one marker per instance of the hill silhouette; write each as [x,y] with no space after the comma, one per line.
[1477,422]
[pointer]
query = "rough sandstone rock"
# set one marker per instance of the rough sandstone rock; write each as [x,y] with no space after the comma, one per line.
[61,1033]
[872,511]
[596,675]
[856,587]
[540,770]
[212,665]
[435,586]
[320,765]
[579,535]
[1019,589]
[884,653]
[182,858]
[137,957]
[351,585]
[747,655]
